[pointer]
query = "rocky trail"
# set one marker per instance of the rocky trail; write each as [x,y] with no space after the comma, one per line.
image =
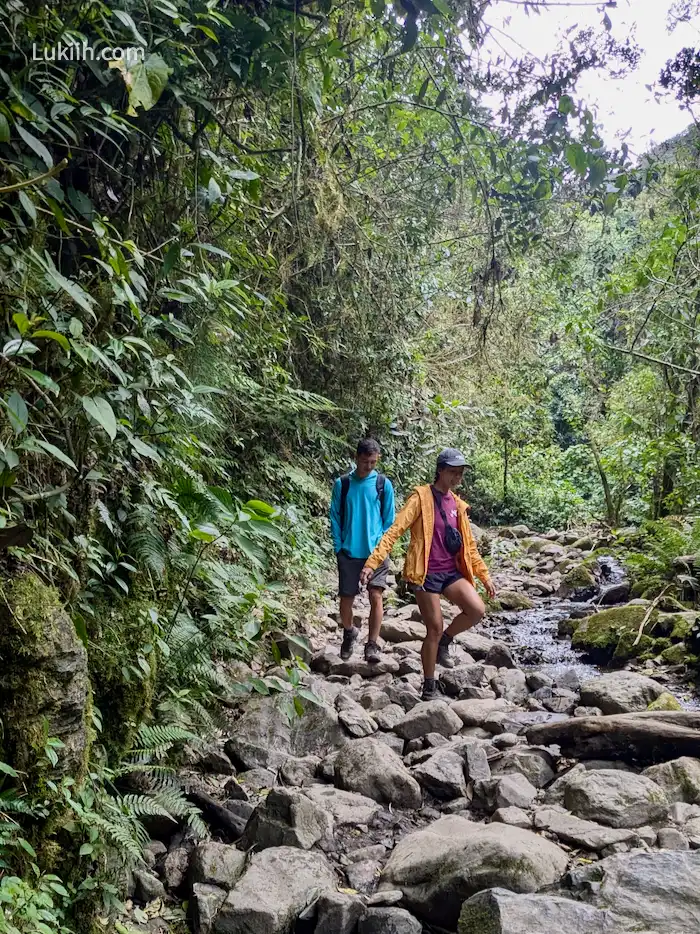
[555,787]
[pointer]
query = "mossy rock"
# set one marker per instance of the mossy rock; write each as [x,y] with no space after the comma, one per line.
[567,627]
[676,654]
[611,633]
[585,543]
[121,634]
[512,600]
[44,685]
[665,701]
[578,582]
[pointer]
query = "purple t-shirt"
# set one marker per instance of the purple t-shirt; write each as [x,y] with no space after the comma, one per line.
[440,560]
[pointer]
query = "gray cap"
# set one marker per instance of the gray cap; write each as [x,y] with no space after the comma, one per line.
[451,457]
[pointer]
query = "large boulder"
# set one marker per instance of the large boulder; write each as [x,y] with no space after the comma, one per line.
[428,717]
[346,807]
[537,765]
[389,921]
[620,692]
[476,712]
[477,646]
[44,685]
[394,629]
[652,892]
[611,634]
[577,832]
[578,584]
[373,769]
[610,796]
[512,600]
[510,684]
[441,866]
[278,884]
[498,911]
[442,774]
[217,864]
[265,737]
[679,778]
[287,817]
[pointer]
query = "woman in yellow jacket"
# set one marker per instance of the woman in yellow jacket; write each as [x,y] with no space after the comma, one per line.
[442,558]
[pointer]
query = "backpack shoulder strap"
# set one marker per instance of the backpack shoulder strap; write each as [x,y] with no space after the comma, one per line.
[381,483]
[344,487]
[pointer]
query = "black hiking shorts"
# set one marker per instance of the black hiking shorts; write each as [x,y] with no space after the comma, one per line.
[349,570]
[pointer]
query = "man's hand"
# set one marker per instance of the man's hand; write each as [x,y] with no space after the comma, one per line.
[365,576]
[490,589]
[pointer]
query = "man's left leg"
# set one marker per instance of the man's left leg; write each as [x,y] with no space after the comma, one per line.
[375,592]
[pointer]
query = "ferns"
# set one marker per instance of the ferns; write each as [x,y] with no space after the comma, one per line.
[145,541]
[152,738]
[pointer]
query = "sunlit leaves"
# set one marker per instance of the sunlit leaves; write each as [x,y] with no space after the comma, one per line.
[102,412]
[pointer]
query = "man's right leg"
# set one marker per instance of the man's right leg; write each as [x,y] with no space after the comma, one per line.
[349,631]
[348,580]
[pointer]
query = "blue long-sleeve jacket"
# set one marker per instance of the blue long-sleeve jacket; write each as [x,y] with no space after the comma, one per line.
[365,522]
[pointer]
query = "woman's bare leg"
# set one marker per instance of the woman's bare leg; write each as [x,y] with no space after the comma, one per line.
[431,613]
[463,595]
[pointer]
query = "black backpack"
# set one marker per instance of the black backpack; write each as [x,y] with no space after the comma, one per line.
[345,486]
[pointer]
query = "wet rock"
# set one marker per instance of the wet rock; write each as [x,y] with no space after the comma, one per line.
[287,817]
[347,808]
[578,584]
[537,765]
[217,864]
[610,797]
[354,717]
[510,684]
[275,888]
[620,692]
[428,717]
[579,832]
[500,656]
[441,866]
[372,769]
[655,891]
[442,774]
[679,778]
[515,817]
[329,662]
[264,736]
[537,679]
[512,600]
[389,921]
[338,913]
[204,906]
[614,593]
[670,838]
[498,911]
[611,634]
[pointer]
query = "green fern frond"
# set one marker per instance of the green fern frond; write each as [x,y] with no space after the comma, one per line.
[158,735]
[143,806]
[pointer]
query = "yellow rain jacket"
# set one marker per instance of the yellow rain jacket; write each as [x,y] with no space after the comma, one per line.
[418,515]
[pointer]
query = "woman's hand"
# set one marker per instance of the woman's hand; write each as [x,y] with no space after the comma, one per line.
[365,576]
[490,589]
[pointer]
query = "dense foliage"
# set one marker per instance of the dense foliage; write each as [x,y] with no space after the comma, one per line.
[279,227]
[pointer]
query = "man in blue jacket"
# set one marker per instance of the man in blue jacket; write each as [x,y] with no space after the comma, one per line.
[362,509]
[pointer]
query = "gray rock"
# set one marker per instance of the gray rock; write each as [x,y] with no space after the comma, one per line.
[363,876]
[394,742]
[217,864]
[476,712]
[579,832]
[456,680]
[535,764]
[477,646]
[514,791]
[588,712]
[692,831]
[679,778]
[654,891]
[505,740]
[287,817]
[354,717]
[428,717]
[370,768]
[329,662]
[212,759]
[275,888]
[338,913]
[442,774]
[500,656]
[256,779]
[520,721]
[441,866]
[389,921]
[402,630]
[472,692]
[510,684]
[569,680]
[346,807]
[476,763]
[204,907]
[620,692]
[670,838]
[403,695]
[515,817]
[148,887]
[610,797]
[176,867]
[265,737]
[614,593]
[538,679]
[498,911]
[389,716]
[373,698]
[299,772]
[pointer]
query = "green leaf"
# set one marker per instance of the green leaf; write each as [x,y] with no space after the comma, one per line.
[32,444]
[597,171]
[103,413]
[71,288]
[27,847]
[566,104]
[257,505]
[8,770]
[610,202]
[81,629]
[171,257]
[86,849]
[127,21]
[577,158]
[17,409]
[21,322]
[145,82]
[378,8]
[210,248]
[28,205]
[244,174]
[144,449]
[42,380]
[443,8]
[204,532]
[18,346]
[36,145]
[54,336]
[4,129]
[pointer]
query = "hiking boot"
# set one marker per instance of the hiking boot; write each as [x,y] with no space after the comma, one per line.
[372,653]
[443,655]
[432,690]
[348,644]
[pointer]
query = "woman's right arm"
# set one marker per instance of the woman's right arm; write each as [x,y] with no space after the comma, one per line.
[403,521]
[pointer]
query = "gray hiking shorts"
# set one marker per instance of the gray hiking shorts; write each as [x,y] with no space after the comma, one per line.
[349,570]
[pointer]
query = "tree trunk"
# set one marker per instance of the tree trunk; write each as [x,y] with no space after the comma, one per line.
[612,509]
[505,470]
